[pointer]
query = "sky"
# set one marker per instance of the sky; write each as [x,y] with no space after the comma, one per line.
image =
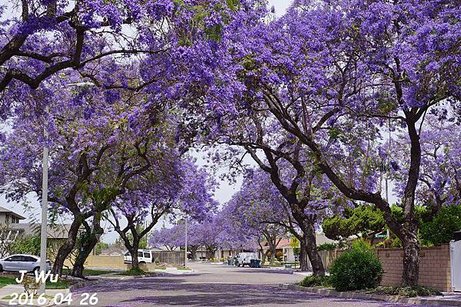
[223,193]
[225,189]
[280,6]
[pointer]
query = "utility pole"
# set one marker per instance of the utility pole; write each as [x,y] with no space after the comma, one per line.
[185,245]
[388,173]
[44,225]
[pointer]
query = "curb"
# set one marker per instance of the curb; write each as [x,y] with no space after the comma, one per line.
[84,283]
[434,301]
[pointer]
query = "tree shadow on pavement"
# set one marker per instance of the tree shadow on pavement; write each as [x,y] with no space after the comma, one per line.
[205,294]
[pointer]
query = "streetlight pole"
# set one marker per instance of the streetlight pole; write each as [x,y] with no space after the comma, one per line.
[185,245]
[388,174]
[44,225]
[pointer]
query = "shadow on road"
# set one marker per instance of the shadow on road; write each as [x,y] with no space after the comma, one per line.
[179,292]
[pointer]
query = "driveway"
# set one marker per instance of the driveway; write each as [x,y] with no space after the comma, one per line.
[211,285]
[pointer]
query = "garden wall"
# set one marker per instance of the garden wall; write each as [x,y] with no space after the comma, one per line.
[169,257]
[434,270]
[329,256]
[175,258]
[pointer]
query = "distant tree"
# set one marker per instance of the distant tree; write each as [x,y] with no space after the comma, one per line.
[364,221]
[440,230]
[26,245]
[7,241]
[256,213]
[175,184]
[100,246]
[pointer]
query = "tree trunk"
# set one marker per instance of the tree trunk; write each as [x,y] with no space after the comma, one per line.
[89,241]
[263,254]
[134,255]
[411,248]
[273,249]
[65,249]
[303,258]
[193,252]
[308,245]
[311,250]
[408,235]
[410,262]
[263,257]
[84,252]
[210,252]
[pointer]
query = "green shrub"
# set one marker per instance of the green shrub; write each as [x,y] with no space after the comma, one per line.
[26,245]
[314,280]
[406,291]
[440,229]
[357,268]
[326,247]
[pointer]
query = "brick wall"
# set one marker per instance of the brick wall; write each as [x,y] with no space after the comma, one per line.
[434,270]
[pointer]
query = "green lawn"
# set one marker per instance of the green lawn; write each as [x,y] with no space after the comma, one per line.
[89,272]
[7,280]
[11,280]
[61,284]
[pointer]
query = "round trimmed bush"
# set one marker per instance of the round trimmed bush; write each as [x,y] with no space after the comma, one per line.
[356,269]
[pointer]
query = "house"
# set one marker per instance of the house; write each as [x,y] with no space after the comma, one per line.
[289,249]
[9,219]
[114,251]
[55,232]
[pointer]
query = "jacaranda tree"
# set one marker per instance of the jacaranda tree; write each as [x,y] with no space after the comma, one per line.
[333,74]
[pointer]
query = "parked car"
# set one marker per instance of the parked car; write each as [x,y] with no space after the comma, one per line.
[144,256]
[18,262]
[243,259]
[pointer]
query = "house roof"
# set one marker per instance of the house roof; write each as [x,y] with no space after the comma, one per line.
[8,211]
[54,231]
[286,243]
[112,251]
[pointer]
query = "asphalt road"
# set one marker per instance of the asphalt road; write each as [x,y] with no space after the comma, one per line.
[211,285]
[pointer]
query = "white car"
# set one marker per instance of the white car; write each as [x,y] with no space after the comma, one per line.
[144,256]
[245,258]
[18,262]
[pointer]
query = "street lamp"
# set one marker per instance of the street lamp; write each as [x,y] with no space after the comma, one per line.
[44,225]
[185,244]
[44,219]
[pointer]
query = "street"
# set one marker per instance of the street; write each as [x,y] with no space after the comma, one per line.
[210,285]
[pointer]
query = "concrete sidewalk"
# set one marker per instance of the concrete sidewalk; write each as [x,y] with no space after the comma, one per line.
[6,294]
[448,299]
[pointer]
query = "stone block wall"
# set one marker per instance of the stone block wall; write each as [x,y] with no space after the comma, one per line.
[434,270]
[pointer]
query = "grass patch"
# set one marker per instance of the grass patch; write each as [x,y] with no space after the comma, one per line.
[7,280]
[60,284]
[89,272]
[182,268]
[11,280]
[316,281]
[273,265]
[97,272]
[133,272]
[405,291]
